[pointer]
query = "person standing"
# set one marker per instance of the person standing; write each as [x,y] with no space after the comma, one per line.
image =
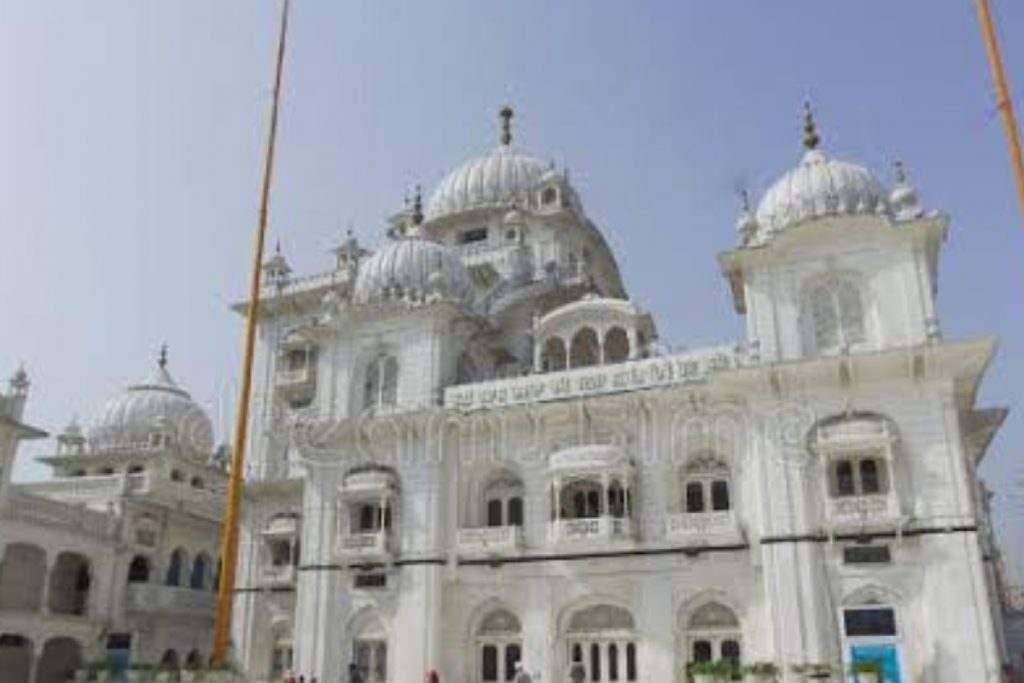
[354,674]
[522,675]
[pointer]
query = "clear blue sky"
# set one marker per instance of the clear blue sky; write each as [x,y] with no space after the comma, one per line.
[131,131]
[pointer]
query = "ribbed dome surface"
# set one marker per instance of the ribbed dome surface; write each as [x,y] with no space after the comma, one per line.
[501,177]
[816,188]
[412,268]
[157,406]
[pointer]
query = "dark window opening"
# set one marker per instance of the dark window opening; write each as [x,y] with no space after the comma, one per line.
[873,621]
[474,235]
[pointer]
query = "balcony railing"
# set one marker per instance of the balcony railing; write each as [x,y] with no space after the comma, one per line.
[592,529]
[150,598]
[862,511]
[493,540]
[277,575]
[700,528]
[295,377]
[364,545]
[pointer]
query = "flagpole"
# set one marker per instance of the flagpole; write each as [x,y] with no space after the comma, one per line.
[1003,101]
[229,530]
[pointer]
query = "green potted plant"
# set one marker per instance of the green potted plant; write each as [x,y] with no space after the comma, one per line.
[760,672]
[709,672]
[866,671]
[139,672]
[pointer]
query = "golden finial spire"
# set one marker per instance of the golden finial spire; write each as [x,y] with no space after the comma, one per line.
[505,114]
[811,138]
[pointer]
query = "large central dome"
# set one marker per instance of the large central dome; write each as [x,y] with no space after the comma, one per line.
[148,412]
[502,177]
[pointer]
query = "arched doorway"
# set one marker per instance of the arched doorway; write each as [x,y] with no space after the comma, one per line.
[22,576]
[176,568]
[15,658]
[201,569]
[70,579]
[59,660]
[498,646]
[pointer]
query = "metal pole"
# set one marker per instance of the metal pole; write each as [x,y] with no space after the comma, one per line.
[229,531]
[1003,102]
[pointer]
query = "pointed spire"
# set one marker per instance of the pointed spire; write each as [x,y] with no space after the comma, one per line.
[162,358]
[506,114]
[811,138]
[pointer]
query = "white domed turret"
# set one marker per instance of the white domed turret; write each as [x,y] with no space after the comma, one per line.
[502,177]
[903,197]
[818,187]
[155,413]
[413,268]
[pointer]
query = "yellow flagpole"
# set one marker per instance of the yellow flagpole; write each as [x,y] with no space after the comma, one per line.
[1003,101]
[229,531]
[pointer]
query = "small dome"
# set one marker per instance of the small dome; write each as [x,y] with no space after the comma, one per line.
[158,406]
[816,188]
[502,177]
[412,268]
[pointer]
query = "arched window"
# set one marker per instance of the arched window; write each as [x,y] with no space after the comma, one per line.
[499,644]
[616,345]
[176,568]
[503,501]
[197,483]
[554,357]
[858,475]
[597,639]
[138,570]
[582,499]
[706,486]
[835,315]
[380,383]
[585,349]
[22,577]
[136,469]
[712,633]
[200,578]
[370,651]
[70,579]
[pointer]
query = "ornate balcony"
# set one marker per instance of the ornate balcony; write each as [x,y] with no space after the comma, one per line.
[494,540]
[704,528]
[365,546]
[277,575]
[155,599]
[593,529]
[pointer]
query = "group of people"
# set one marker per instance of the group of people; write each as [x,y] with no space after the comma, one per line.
[355,675]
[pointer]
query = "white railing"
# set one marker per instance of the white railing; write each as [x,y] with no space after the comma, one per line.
[28,507]
[861,510]
[703,527]
[490,540]
[369,545]
[295,376]
[593,529]
[153,598]
[279,575]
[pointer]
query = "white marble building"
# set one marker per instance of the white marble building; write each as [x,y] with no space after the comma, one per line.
[113,557]
[470,449]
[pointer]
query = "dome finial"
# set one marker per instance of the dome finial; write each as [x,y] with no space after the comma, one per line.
[506,114]
[415,214]
[811,138]
[162,358]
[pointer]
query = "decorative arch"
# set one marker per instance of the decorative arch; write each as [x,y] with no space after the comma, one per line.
[496,632]
[202,570]
[585,349]
[176,568]
[600,642]
[15,658]
[710,630]
[616,345]
[368,638]
[379,380]
[70,580]
[872,594]
[554,355]
[139,569]
[59,660]
[22,576]
[501,497]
